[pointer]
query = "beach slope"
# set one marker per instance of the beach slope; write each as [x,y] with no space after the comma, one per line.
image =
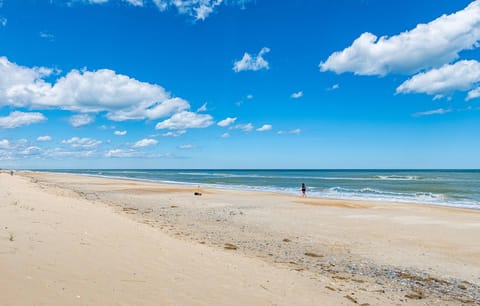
[59,249]
[77,240]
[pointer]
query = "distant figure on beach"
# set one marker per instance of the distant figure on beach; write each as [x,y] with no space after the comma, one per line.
[11,172]
[304,190]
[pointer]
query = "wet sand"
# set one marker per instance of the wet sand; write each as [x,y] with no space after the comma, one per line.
[148,242]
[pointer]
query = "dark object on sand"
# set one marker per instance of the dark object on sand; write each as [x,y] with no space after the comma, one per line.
[229,246]
[197,193]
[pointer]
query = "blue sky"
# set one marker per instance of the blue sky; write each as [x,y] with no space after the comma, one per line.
[239,84]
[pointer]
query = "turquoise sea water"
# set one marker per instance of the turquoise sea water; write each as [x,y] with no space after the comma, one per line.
[460,188]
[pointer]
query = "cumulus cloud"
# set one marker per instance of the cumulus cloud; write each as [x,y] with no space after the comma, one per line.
[185,120]
[226,122]
[17,149]
[252,62]
[121,97]
[3,21]
[264,128]
[17,119]
[80,120]
[85,143]
[297,95]
[44,138]
[29,151]
[439,111]
[120,133]
[145,143]
[427,45]
[461,76]
[225,135]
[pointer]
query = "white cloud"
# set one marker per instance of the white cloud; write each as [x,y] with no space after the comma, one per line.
[427,45]
[44,138]
[11,150]
[106,127]
[253,63]
[462,76]
[62,153]
[473,94]
[76,142]
[121,97]
[333,87]
[174,133]
[264,128]
[185,120]
[226,122]
[97,1]
[135,2]
[439,111]
[198,9]
[17,119]
[292,132]
[80,120]
[244,127]
[3,21]
[121,153]
[297,95]
[120,133]
[225,135]
[186,147]
[161,4]
[145,143]
[249,97]
[202,108]
[47,36]
[4,144]
[29,151]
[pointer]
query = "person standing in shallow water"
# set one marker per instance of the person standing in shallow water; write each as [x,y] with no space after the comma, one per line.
[304,190]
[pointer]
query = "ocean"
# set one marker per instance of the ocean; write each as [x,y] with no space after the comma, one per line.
[459,188]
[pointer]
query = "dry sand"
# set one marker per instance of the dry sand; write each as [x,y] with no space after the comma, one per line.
[76,240]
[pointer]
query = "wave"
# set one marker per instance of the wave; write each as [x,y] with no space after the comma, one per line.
[370,194]
[398,177]
[339,178]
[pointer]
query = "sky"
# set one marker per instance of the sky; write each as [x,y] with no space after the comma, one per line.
[305,84]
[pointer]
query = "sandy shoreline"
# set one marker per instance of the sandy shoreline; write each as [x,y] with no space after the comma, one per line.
[268,248]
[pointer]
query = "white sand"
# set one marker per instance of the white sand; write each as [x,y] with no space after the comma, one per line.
[68,251]
[70,248]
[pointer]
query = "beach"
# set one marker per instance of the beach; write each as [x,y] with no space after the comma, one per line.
[81,240]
